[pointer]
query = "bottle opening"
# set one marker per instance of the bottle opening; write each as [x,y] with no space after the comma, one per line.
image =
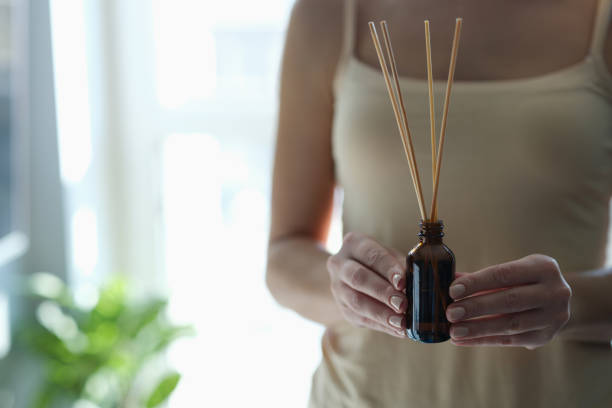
[431,229]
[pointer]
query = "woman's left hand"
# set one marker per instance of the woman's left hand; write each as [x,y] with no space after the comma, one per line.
[523,303]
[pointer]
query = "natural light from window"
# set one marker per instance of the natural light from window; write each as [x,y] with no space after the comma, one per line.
[216,188]
[71,88]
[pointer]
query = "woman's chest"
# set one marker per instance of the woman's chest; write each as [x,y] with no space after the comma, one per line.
[501,39]
[530,171]
[536,141]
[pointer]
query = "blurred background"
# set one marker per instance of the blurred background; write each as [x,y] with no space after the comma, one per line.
[136,142]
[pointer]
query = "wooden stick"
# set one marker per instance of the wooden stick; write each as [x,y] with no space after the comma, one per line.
[406,136]
[432,114]
[449,85]
[398,95]
[385,71]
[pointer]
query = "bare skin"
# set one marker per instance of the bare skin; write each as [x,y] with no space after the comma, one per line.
[523,303]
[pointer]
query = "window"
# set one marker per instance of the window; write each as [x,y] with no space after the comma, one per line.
[195,96]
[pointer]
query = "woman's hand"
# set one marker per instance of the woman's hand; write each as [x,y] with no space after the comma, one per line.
[367,280]
[520,303]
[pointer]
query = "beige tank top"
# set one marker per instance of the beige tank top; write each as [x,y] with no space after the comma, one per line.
[527,169]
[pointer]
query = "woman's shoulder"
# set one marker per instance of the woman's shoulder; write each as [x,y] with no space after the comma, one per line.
[319,11]
[318,22]
[318,16]
[314,35]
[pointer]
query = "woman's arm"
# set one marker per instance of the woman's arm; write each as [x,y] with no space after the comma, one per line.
[363,283]
[303,180]
[297,278]
[528,302]
[591,306]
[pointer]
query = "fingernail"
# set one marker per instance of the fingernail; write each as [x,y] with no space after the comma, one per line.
[396,302]
[459,331]
[396,321]
[457,290]
[456,313]
[396,281]
[397,276]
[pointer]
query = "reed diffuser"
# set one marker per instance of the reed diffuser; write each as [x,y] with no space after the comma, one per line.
[430,264]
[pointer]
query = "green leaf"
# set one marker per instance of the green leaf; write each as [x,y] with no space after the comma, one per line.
[136,318]
[44,397]
[112,299]
[103,338]
[118,335]
[163,390]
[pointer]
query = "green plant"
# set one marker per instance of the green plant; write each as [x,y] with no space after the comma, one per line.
[96,354]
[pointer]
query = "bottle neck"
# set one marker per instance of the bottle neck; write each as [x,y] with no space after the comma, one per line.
[431,232]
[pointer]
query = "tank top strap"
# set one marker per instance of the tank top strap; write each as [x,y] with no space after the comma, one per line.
[348,38]
[600,29]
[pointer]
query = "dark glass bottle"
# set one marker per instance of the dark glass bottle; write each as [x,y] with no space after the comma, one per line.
[431,270]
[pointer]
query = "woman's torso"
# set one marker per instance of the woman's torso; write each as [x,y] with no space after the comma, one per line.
[527,169]
[501,39]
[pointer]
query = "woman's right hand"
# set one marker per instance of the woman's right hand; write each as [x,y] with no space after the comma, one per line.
[367,281]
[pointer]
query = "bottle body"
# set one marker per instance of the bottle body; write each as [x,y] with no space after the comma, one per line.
[431,270]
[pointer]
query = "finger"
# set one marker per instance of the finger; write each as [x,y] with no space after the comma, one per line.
[460,274]
[361,321]
[366,281]
[517,299]
[502,325]
[530,340]
[376,257]
[365,306]
[531,269]
[400,256]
